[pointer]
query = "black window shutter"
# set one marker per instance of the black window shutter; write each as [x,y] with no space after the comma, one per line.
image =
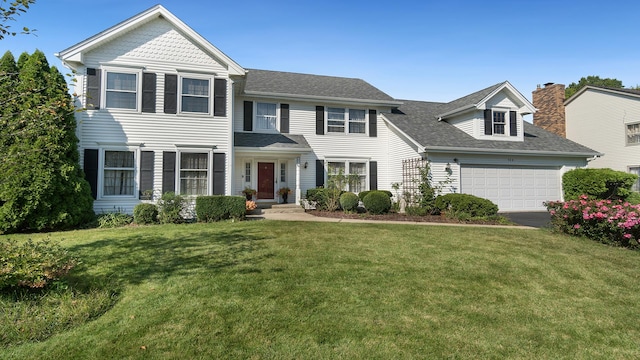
[220,97]
[146,171]
[320,121]
[91,170]
[93,89]
[168,171]
[218,173]
[373,123]
[488,122]
[284,118]
[248,116]
[319,173]
[513,123]
[373,175]
[149,92]
[170,93]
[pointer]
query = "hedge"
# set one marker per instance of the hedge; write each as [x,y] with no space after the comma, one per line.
[377,202]
[219,207]
[597,184]
[349,201]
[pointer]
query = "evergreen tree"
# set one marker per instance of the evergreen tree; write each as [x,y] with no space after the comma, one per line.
[42,186]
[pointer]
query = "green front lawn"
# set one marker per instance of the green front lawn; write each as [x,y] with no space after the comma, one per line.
[285,290]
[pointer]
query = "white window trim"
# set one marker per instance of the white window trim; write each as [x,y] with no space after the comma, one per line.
[346,121]
[136,172]
[179,168]
[507,121]
[210,78]
[103,88]
[255,118]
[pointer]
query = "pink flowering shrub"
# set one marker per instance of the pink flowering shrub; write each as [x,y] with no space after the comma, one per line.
[609,221]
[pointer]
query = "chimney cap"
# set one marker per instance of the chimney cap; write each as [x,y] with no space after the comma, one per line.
[548,84]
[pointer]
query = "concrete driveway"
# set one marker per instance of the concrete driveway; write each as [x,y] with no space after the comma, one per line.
[537,219]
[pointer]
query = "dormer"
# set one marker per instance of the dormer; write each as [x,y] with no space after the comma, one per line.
[494,113]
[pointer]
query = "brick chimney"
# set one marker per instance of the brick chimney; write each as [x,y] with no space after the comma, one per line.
[549,101]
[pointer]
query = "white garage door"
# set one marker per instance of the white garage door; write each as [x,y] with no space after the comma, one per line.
[512,188]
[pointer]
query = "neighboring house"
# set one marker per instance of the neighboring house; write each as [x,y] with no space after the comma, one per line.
[168,111]
[604,119]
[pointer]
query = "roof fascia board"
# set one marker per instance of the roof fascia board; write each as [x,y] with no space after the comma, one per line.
[595,88]
[459,150]
[336,100]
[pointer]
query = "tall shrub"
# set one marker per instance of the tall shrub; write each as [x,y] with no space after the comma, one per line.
[597,184]
[42,186]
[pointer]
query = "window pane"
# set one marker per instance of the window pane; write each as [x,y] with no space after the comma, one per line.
[356,121]
[119,81]
[357,177]
[498,122]
[247,172]
[121,100]
[195,87]
[636,185]
[195,104]
[633,134]
[266,116]
[334,168]
[118,159]
[194,161]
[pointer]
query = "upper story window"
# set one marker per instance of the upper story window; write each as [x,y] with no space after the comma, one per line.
[121,90]
[342,120]
[635,170]
[119,173]
[266,116]
[194,95]
[633,134]
[499,122]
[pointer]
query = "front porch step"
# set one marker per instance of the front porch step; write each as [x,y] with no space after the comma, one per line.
[280,208]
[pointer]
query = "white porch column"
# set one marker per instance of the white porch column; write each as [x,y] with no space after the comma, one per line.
[298,197]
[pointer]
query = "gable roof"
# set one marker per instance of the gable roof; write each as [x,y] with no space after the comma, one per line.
[75,52]
[271,142]
[606,89]
[418,120]
[314,87]
[477,100]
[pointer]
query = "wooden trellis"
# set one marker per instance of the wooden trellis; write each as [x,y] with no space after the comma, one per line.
[411,177]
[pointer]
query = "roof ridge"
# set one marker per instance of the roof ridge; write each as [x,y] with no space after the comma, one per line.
[301,73]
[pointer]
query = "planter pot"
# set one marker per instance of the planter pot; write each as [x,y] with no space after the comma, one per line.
[249,197]
[284,198]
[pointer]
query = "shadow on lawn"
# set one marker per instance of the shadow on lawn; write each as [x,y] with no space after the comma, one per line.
[143,256]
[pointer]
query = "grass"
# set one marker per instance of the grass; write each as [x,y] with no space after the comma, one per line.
[286,290]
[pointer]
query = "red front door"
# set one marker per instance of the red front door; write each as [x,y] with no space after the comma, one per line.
[265,180]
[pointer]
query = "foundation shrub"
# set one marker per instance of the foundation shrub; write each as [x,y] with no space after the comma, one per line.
[219,207]
[465,205]
[349,201]
[377,202]
[597,184]
[145,213]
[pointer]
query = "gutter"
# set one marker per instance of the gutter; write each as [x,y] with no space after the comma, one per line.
[459,150]
[266,94]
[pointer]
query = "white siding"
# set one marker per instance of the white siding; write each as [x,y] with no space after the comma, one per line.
[158,48]
[598,120]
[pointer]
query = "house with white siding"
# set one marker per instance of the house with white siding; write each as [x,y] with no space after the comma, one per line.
[168,111]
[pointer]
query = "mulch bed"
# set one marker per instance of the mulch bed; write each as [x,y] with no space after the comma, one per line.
[401,217]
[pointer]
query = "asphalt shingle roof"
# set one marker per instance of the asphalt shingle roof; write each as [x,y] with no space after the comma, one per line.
[275,141]
[418,120]
[294,84]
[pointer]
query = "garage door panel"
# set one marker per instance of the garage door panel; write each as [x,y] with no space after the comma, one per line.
[512,188]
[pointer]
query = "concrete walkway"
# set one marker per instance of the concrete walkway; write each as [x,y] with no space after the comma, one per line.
[303,216]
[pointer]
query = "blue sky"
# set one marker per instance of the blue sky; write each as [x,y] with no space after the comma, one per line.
[420,50]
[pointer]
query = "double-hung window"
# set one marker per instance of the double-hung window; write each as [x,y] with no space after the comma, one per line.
[266,116]
[349,121]
[633,134]
[121,90]
[194,173]
[118,173]
[499,122]
[194,95]
[348,175]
